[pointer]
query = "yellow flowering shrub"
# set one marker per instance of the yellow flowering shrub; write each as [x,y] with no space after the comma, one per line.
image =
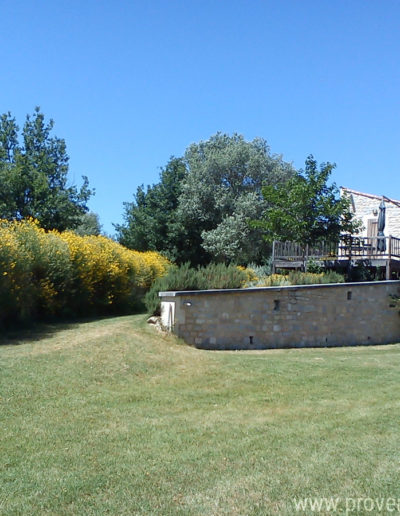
[50,273]
[251,276]
[300,278]
[16,290]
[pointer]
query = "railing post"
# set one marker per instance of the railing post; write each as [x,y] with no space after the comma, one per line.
[273,257]
[349,264]
[388,274]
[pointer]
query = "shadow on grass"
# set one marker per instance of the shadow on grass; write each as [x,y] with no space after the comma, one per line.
[44,330]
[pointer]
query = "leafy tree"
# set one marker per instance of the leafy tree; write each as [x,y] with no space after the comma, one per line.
[305,209]
[151,218]
[89,225]
[222,192]
[200,209]
[33,175]
[234,239]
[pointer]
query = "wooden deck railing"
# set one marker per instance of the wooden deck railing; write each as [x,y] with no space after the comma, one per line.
[362,248]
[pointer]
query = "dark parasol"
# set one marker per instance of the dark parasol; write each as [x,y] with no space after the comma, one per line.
[381,245]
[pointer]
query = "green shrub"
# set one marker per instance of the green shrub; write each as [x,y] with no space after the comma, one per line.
[213,276]
[315,267]
[310,278]
[332,277]
[261,271]
[297,278]
[219,275]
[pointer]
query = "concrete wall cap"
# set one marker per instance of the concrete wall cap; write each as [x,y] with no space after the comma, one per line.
[276,289]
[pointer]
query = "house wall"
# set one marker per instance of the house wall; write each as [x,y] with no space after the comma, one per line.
[291,316]
[364,206]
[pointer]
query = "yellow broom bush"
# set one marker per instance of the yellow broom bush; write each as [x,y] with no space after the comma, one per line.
[50,273]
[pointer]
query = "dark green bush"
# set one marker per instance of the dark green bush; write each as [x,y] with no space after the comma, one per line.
[362,270]
[315,267]
[213,276]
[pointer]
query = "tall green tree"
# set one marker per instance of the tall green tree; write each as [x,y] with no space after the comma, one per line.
[34,175]
[199,211]
[306,209]
[150,220]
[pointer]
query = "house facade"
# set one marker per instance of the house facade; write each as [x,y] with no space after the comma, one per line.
[366,208]
[367,246]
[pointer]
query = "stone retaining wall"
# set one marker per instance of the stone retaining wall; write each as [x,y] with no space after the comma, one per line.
[280,317]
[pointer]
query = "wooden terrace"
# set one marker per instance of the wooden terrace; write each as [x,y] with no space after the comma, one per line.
[290,255]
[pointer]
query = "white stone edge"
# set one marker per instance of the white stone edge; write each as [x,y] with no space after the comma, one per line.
[175,293]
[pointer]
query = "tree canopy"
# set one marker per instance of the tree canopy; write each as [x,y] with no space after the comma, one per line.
[150,220]
[306,209]
[199,211]
[34,175]
[89,225]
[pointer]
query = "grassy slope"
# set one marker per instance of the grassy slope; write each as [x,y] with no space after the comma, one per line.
[109,417]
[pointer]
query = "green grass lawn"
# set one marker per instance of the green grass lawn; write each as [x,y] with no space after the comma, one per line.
[110,417]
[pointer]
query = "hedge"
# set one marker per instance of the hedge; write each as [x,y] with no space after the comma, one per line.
[45,274]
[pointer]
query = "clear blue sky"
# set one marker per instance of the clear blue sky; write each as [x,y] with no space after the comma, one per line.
[130,83]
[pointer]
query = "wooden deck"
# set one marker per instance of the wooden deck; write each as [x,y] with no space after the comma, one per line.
[290,255]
